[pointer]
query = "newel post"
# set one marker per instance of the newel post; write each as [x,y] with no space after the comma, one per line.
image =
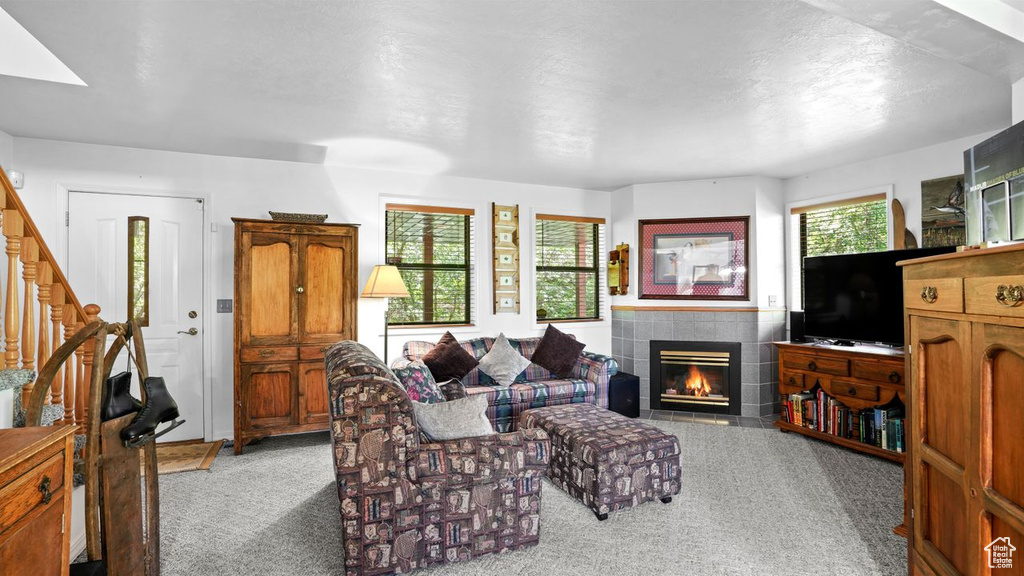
[92,314]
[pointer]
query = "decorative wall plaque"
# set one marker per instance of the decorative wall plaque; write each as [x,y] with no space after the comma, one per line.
[506,259]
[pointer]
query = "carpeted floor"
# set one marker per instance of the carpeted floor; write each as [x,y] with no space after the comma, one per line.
[754,502]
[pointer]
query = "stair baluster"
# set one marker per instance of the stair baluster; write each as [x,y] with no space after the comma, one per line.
[56,297]
[13,228]
[29,261]
[70,369]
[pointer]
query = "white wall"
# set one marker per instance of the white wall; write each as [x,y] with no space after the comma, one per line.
[1017,105]
[759,198]
[903,171]
[248,188]
[6,151]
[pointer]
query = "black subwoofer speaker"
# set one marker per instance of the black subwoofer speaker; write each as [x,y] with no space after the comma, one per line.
[796,326]
[624,394]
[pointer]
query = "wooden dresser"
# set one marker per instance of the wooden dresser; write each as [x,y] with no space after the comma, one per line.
[295,295]
[35,500]
[965,470]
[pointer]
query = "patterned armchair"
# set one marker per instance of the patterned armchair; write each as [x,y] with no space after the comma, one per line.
[406,503]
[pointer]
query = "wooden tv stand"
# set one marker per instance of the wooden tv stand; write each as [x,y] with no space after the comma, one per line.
[860,377]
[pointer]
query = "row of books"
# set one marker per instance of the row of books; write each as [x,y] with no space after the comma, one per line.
[882,426]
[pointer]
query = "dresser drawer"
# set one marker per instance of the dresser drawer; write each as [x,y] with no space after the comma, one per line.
[313,352]
[792,381]
[841,388]
[821,364]
[39,487]
[938,294]
[879,372]
[269,354]
[996,296]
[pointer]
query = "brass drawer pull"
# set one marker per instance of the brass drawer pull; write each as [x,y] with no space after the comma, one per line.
[792,381]
[929,294]
[1010,296]
[894,377]
[852,391]
[44,488]
[266,353]
[324,349]
[812,366]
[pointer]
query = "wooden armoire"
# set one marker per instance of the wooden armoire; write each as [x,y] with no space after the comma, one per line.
[965,469]
[295,295]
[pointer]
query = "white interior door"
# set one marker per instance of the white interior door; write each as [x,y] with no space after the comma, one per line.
[98,269]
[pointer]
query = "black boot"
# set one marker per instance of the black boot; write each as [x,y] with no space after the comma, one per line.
[159,408]
[117,397]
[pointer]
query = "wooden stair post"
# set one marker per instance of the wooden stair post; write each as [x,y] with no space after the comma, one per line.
[29,262]
[70,369]
[92,314]
[13,228]
[56,317]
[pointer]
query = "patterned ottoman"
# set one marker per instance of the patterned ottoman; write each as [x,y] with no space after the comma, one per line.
[606,460]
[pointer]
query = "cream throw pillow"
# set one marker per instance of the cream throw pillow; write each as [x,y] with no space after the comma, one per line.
[503,362]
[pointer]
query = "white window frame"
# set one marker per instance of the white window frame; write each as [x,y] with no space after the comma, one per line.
[794,291]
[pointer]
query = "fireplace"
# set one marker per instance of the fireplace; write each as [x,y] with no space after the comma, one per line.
[695,376]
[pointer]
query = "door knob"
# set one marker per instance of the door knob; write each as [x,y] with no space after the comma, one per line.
[190,332]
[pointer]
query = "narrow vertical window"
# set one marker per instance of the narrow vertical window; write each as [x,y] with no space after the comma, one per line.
[138,269]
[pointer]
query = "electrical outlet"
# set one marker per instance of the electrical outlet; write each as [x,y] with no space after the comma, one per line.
[773,300]
[224,306]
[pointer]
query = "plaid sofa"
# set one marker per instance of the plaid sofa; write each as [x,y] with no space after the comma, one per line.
[536,387]
[407,504]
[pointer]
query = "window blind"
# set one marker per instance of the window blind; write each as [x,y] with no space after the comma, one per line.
[432,247]
[568,267]
[849,227]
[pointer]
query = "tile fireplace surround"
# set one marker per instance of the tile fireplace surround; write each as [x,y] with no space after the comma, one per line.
[633,328]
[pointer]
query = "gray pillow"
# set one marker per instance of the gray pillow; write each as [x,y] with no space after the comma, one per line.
[503,362]
[462,418]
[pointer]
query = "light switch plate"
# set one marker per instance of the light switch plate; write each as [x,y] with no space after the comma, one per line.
[224,306]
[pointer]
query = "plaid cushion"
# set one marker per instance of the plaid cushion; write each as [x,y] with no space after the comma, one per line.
[541,393]
[496,395]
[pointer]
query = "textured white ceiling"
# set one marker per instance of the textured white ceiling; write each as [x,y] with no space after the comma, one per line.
[589,94]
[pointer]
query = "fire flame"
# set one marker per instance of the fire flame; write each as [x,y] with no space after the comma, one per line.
[696,383]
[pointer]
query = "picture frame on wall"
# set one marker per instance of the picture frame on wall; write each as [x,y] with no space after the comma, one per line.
[694,258]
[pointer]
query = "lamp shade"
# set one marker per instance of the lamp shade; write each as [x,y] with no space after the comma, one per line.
[385,282]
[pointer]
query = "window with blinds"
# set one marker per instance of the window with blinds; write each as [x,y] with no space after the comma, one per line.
[567,263]
[847,227]
[433,250]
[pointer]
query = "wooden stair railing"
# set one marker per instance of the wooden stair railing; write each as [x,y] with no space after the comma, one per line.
[29,339]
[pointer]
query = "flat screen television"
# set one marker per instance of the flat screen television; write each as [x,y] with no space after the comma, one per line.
[857,297]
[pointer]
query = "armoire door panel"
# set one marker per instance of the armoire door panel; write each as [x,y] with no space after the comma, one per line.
[940,414]
[269,392]
[1001,353]
[269,304]
[313,405]
[326,304]
[944,518]
[943,347]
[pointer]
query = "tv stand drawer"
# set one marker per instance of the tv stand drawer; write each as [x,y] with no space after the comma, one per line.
[820,364]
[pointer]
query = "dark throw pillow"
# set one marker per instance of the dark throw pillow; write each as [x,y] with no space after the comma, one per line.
[453,389]
[449,360]
[557,352]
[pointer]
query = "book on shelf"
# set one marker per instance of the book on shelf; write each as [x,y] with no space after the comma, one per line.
[881,426]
